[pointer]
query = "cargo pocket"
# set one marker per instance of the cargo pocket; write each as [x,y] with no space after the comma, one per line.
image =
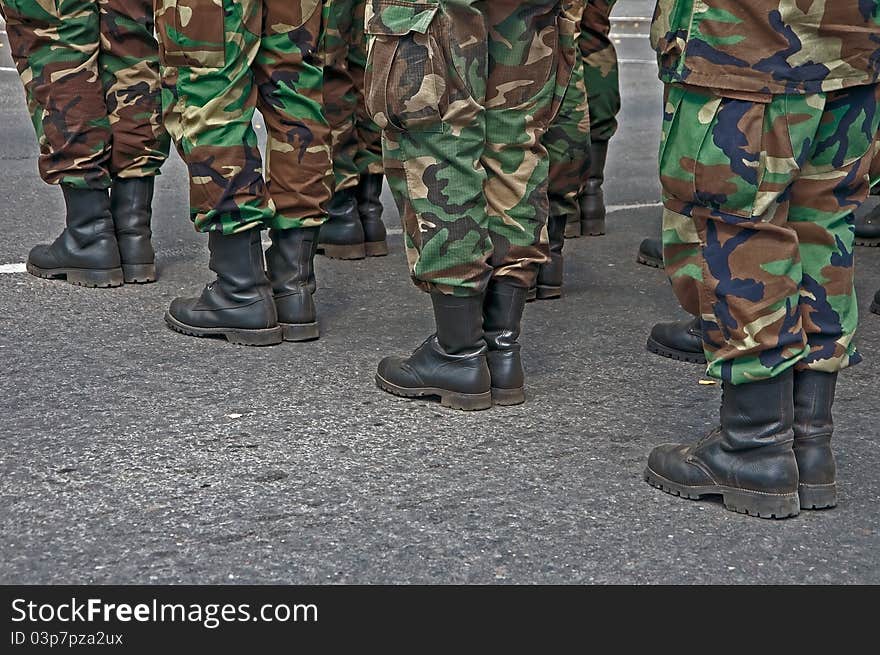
[289,14]
[191,33]
[406,78]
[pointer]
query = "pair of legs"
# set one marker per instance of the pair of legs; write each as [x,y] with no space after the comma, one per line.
[222,61]
[464,92]
[354,229]
[91,77]
[767,191]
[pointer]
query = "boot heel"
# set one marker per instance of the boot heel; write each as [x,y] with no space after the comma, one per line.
[766,506]
[544,292]
[817,496]
[96,279]
[508,397]
[267,337]
[469,402]
[139,273]
[352,251]
[593,227]
[301,332]
[376,248]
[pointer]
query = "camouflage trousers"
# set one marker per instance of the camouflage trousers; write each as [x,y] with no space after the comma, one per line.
[357,141]
[601,69]
[223,60]
[758,224]
[90,70]
[464,91]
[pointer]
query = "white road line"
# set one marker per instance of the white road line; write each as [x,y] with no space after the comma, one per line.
[12,268]
[638,61]
[6,69]
[639,205]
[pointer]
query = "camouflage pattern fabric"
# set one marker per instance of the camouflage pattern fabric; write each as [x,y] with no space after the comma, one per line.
[768,190]
[568,138]
[601,70]
[464,91]
[357,141]
[91,76]
[768,46]
[222,60]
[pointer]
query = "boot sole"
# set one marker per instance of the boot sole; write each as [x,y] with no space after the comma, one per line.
[300,331]
[266,337]
[868,242]
[469,402]
[353,251]
[83,277]
[817,496]
[673,353]
[753,503]
[650,261]
[532,294]
[139,273]
[376,248]
[508,397]
[875,308]
[594,227]
[544,292]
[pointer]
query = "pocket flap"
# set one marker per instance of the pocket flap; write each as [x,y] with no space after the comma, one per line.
[398,17]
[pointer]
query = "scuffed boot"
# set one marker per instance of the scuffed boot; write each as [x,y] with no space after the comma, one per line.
[813,427]
[450,364]
[868,227]
[342,236]
[86,253]
[502,316]
[550,275]
[291,270]
[573,224]
[875,306]
[238,305]
[748,461]
[681,340]
[651,253]
[369,199]
[592,198]
[131,203]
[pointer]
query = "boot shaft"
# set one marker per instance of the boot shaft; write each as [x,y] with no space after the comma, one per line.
[131,205]
[237,259]
[502,315]
[758,414]
[88,217]
[290,260]
[459,321]
[813,428]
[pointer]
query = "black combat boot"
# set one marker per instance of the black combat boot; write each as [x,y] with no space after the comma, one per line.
[875,306]
[131,203]
[749,460]
[342,236]
[550,275]
[651,253]
[86,253]
[813,427]
[237,305]
[369,199]
[502,316]
[450,364]
[592,198]
[681,340]
[290,262]
[868,227]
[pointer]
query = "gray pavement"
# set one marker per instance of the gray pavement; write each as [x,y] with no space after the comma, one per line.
[132,454]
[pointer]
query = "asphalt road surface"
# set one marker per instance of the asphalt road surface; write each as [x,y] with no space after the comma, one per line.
[132,454]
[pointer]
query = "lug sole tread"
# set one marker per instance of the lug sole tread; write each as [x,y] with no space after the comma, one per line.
[450,399]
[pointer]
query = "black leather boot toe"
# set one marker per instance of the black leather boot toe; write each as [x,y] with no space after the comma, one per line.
[868,227]
[342,236]
[369,199]
[748,461]
[290,267]
[238,305]
[651,253]
[131,203]
[681,340]
[450,364]
[875,305]
[86,253]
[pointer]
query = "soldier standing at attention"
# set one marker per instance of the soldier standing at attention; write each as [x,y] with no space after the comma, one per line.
[222,60]
[354,229]
[464,91]
[769,121]
[91,77]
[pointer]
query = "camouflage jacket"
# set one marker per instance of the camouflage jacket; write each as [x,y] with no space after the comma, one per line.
[768,46]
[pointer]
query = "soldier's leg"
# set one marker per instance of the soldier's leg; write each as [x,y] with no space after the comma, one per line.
[342,236]
[568,146]
[56,50]
[603,84]
[129,63]
[207,49]
[299,169]
[425,87]
[368,159]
